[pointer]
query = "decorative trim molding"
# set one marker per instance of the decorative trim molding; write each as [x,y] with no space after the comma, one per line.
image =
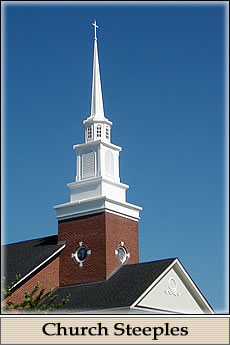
[172,288]
[96,205]
[75,256]
[95,143]
[92,180]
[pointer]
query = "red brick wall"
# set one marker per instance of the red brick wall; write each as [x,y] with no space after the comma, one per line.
[120,229]
[102,233]
[48,277]
[91,231]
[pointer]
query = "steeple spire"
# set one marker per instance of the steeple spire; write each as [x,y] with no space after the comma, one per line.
[97,127]
[97,109]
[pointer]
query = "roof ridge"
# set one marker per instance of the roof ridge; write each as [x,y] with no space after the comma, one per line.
[149,262]
[33,239]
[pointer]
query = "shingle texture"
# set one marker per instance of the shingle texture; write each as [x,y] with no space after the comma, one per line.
[23,257]
[120,290]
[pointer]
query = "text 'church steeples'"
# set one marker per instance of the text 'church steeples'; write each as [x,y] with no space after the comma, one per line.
[99,227]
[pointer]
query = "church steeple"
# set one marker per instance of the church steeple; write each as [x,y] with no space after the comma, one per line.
[97,127]
[98,226]
[97,109]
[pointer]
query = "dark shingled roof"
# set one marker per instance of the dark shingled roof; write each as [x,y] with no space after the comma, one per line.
[23,257]
[120,290]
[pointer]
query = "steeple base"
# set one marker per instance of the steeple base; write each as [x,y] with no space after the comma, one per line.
[97,187]
[102,235]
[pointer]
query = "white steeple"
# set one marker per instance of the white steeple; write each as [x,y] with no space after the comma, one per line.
[97,110]
[97,184]
[97,127]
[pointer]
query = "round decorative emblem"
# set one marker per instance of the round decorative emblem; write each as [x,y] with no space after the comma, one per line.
[172,288]
[81,254]
[122,253]
[172,285]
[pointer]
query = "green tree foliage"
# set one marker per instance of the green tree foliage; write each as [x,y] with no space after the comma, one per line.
[36,300]
[8,290]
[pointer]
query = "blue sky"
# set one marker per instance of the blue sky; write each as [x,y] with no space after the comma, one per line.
[163,80]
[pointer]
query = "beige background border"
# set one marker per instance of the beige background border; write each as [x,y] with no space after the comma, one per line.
[28,330]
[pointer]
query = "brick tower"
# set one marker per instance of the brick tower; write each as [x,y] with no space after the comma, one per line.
[99,228]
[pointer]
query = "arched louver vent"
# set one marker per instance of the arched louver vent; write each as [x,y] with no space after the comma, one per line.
[109,163]
[88,165]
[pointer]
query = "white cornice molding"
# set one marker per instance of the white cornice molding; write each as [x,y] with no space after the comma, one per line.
[91,200]
[95,205]
[92,120]
[93,180]
[95,143]
[127,204]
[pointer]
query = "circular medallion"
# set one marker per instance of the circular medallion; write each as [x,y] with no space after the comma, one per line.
[172,284]
[122,254]
[81,254]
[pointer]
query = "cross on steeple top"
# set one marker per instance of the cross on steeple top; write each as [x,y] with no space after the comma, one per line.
[95,29]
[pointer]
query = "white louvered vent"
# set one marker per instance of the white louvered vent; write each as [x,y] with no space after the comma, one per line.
[88,165]
[109,163]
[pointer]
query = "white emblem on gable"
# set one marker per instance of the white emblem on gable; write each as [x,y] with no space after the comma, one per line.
[172,288]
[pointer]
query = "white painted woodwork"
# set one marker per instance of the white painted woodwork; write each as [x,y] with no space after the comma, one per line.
[174,292]
[96,205]
[182,302]
[97,185]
